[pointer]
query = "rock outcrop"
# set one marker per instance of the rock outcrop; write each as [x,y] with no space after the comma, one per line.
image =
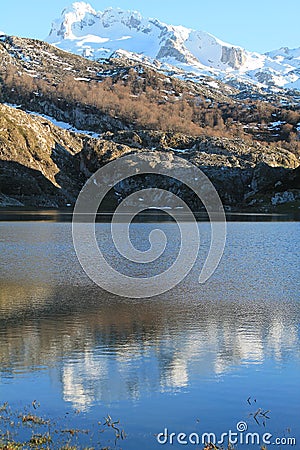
[37,161]
[235,57]
[42,165]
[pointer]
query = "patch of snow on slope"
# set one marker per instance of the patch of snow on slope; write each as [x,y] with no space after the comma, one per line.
[64,125]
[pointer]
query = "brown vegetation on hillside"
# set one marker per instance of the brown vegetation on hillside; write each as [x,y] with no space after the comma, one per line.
[135,97]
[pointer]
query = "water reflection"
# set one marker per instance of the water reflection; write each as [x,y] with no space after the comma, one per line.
[109,349]
[63,337]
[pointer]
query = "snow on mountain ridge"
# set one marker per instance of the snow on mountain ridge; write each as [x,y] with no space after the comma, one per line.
[92,34]
[162,41]
[286,55]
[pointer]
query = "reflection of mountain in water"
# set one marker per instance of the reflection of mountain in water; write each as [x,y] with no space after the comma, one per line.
[109,349]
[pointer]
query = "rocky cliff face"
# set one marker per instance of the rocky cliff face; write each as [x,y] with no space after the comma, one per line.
[243,176]
[37,161]
[42,165]
[234,57]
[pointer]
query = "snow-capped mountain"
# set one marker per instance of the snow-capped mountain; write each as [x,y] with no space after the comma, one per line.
[82,30]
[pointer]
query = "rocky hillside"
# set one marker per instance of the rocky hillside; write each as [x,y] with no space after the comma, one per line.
[43,165]
[63,116]
[37,164]
[120,94]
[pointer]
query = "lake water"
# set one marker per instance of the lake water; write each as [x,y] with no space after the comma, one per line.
[195,359]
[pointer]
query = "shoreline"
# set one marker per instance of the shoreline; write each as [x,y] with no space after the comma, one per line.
[162,215]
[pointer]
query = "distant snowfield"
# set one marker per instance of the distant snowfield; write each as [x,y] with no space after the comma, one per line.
[96,35]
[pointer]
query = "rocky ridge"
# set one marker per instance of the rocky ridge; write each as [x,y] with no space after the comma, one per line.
[43,165]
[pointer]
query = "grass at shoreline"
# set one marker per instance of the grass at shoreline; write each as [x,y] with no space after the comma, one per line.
[27,430]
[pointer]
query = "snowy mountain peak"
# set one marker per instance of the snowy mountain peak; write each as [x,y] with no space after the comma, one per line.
[80,8]
[81,29]
[131,19]
[81,18]
[92,34]
[79,13]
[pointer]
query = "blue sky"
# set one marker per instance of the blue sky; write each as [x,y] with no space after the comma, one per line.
[258,25]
